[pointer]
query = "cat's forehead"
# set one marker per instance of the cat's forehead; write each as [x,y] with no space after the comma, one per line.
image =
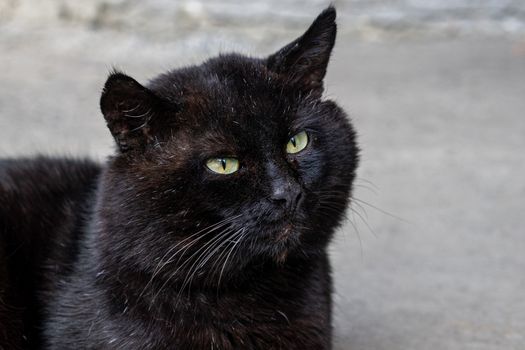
[229,94]
[225,81]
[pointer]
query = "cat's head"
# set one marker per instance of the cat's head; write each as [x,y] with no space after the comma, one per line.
[229,162]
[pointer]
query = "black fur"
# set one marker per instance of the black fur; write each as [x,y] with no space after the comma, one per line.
[152,250]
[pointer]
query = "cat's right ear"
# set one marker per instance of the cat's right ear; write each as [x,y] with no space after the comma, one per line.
[128,108]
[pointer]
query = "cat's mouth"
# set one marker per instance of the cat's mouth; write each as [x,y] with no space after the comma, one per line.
[275,233]
[280,225]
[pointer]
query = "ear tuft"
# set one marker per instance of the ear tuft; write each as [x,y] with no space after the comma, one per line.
[304,61]
[128,108]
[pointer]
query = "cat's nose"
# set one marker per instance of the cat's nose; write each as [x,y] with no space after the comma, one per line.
[286,193]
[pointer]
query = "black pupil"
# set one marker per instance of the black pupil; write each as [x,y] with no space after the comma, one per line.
[292,140]
[223,163]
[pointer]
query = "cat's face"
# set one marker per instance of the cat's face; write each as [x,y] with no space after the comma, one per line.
[233,161]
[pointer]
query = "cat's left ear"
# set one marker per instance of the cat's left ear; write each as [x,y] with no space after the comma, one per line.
[303,62]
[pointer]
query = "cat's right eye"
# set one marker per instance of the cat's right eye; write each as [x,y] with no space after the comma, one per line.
[223,166]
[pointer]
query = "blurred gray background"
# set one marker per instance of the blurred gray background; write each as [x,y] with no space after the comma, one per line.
[433,253]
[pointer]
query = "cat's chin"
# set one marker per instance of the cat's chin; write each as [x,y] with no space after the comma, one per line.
[287,232]
[286,241]
[282,241]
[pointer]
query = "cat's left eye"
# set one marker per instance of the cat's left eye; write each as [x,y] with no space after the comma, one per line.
[223,166]
[297,143]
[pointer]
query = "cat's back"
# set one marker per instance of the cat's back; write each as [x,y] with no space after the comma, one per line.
[35,193]
[43,205]
[42,176]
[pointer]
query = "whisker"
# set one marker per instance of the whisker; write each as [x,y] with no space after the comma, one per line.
[205,231]
[381,210]
[367,181]
[332,192]
[140,126]
[207,255]
[371,189]
[358,235]
[188,260]
[360,207]
[364,221]
[162,264]
[132,109]
[330,212]
[228,256]
[215,264]
[139,115]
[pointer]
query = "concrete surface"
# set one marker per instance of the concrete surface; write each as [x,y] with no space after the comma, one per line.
[442,127]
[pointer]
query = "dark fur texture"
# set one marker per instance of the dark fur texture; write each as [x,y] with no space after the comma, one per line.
[154,251]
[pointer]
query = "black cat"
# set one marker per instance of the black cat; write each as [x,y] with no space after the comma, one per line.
[206,230]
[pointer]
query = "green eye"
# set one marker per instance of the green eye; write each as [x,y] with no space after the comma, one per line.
[297,143]
[223,166]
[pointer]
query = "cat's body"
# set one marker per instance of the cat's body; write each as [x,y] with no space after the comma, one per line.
[207,230]
[44,205]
